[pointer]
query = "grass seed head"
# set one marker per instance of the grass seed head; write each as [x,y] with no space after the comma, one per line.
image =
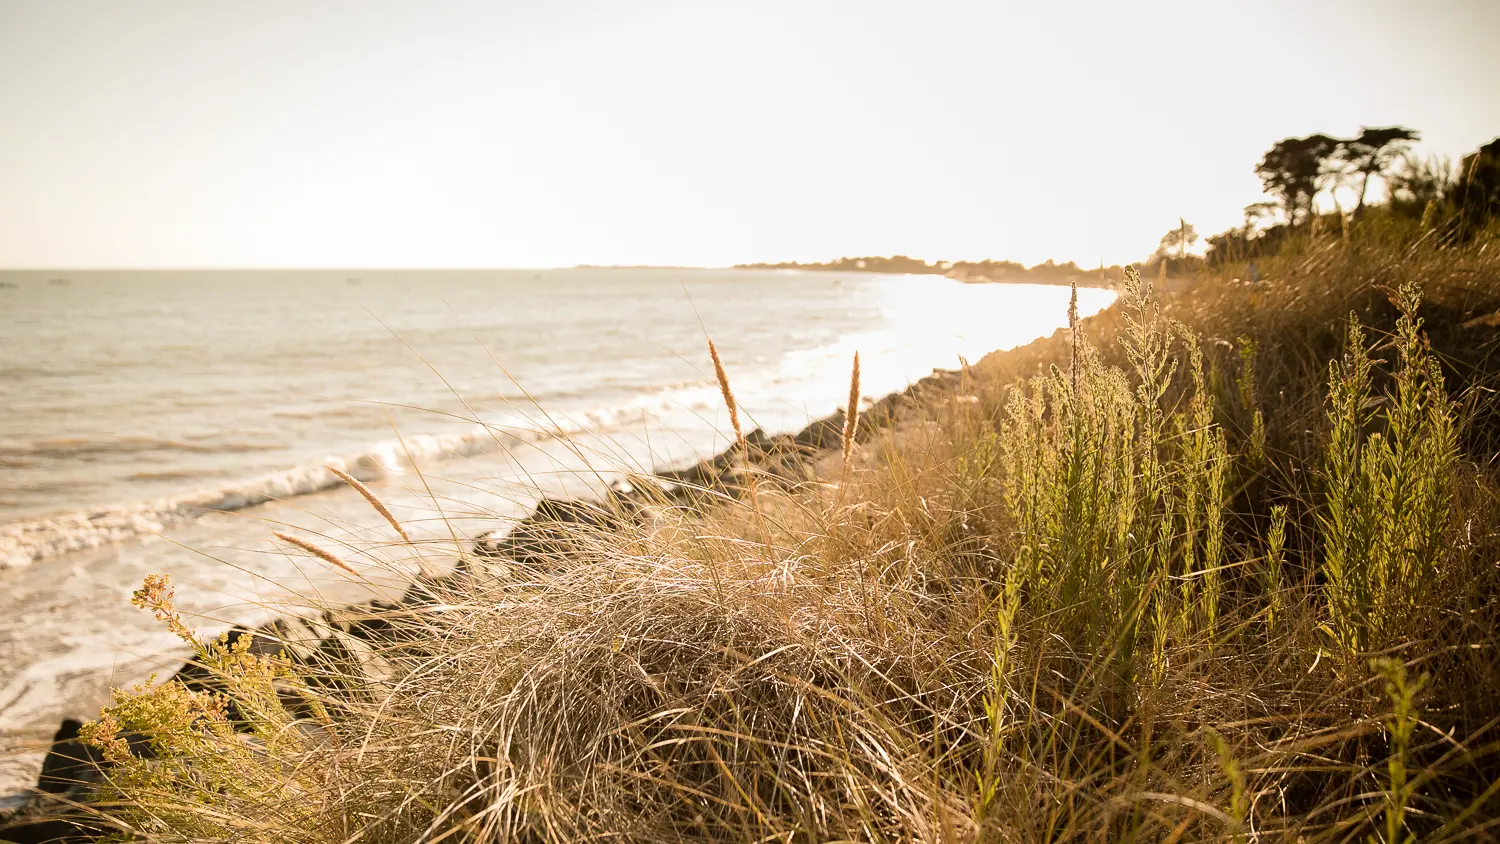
[321,553]
[851,414]
[723,377]
[374,502]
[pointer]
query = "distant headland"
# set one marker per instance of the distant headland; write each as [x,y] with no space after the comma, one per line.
[968,271]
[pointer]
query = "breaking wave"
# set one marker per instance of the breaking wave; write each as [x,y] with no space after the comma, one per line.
[30,540]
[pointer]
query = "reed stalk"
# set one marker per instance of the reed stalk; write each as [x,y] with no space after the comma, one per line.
[315,550]
[374,502]
[851,417]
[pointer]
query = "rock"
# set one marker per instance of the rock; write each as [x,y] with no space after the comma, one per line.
[551,537]
[69,774]
[70,764]
[824,434]
[48,825]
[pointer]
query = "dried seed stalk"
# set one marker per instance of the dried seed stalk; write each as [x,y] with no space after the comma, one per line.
[320,553]
[374,502]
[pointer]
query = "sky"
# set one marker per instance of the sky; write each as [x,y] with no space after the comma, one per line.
[299,133]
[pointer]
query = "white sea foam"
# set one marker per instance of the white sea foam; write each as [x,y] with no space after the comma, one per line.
[25,542]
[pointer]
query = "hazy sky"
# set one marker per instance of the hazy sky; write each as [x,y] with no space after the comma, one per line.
[555,132]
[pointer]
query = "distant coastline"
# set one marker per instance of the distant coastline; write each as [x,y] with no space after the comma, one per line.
[974,272]
[630,267]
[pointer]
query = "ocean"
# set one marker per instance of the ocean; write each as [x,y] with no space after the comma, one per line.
[169,421]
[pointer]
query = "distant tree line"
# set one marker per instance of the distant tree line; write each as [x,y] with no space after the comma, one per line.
[1048,272]
[893,264]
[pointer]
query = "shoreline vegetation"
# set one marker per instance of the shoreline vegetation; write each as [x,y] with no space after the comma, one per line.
[1218,563]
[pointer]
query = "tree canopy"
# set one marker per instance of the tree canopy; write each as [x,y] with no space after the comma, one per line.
[1292,170]
[1373,152]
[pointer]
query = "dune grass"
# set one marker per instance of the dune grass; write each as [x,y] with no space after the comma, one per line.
[1214,565]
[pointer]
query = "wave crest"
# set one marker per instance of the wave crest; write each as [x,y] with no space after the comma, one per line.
[25,542]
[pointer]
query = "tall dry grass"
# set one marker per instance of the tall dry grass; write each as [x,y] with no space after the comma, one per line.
[1169,577]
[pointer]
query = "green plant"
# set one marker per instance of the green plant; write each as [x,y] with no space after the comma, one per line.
[1388,490]
[1112,496]
[1403,721]
[1238,805]
[1116,505]
[1248,402]
[236,771]
[1275,556]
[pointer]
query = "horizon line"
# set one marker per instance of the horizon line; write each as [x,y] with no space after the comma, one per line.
[331,268]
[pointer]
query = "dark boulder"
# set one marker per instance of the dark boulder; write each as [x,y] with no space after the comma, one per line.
[58,811]
[48,826]
[553,537]
[70,763]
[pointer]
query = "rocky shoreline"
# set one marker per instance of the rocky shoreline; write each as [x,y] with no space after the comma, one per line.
[54,809]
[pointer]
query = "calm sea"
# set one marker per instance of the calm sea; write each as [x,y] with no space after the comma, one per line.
[136,401]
